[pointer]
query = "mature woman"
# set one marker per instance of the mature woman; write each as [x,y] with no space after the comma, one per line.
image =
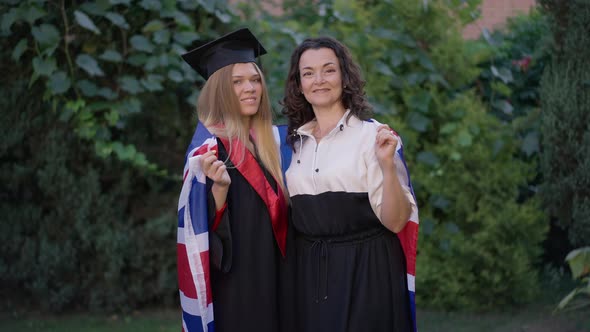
[243,191]
[350,196]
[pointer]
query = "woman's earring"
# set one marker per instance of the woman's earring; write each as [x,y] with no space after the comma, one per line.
[344,86]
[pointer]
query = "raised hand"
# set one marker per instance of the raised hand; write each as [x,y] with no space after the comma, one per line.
[385,145]
[215,169]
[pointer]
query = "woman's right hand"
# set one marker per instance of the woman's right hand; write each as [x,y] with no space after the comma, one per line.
[215,169]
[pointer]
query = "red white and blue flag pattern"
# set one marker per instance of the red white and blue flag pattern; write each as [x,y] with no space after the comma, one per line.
[193,239]
[408,236]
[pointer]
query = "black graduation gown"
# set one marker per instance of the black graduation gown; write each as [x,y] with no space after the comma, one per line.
[245,259]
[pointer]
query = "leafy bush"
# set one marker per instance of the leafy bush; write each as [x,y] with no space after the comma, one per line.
[67,238]
[510,78]
[510,86]
[100,60]
[479,242]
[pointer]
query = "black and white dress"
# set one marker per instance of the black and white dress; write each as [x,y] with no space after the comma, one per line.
[351,273]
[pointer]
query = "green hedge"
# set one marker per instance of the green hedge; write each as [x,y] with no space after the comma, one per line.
[71,234]
[565,95]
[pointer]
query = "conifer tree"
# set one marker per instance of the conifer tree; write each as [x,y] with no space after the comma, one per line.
[565,128]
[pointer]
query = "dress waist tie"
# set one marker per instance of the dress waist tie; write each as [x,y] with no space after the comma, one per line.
[320,248]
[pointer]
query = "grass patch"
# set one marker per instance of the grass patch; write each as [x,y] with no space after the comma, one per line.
[149,321]
[535,317]
[529,319]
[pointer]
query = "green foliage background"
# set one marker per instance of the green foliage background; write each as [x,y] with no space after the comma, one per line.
[97,111]
[96,114]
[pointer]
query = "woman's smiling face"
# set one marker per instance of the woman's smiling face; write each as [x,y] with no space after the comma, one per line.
[321,77]
[248,87]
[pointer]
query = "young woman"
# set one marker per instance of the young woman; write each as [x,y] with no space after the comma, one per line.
[350,197]
[243,190]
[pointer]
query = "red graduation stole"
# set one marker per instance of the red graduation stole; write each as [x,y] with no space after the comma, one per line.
[275,202]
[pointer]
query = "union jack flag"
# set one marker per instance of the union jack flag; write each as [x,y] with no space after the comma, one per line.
[408,236]
[193,239]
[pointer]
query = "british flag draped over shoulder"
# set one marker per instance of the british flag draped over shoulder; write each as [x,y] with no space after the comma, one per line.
[193,239]
[408,236]
[193,233]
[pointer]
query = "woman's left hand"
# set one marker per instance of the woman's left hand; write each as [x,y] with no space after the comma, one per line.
[385,145]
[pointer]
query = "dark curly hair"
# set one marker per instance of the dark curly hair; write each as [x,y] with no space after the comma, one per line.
[299,111]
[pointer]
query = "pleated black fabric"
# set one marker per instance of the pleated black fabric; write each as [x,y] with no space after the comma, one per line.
[351,273]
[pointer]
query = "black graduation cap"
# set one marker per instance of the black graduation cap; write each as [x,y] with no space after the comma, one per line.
[236,47]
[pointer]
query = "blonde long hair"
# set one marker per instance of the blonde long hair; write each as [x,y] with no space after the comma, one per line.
[218,109]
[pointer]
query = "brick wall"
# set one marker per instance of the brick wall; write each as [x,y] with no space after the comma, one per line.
[494,14]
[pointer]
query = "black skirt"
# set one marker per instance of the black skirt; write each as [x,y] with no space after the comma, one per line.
[351,273]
